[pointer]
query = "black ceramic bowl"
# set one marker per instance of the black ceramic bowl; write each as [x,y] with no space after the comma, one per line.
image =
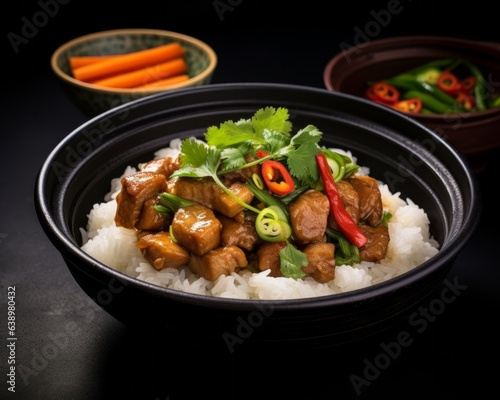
[408,156]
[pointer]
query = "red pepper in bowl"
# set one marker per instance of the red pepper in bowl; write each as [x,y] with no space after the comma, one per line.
[277,178]
[449,83]
[385,92]
[344,221]
[412,106]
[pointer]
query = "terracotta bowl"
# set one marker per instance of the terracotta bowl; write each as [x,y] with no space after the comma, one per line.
[473,134]
[417,163]
[94,99]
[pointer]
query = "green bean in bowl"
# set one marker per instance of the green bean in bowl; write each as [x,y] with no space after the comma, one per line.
[441,86]
[445,83]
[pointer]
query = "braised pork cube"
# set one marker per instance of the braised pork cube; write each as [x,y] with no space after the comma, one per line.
[150,219]
[197,229]
[269,258]
[350,201]
[309,216]
[321,261]
[220,261]
[161,251]
[136,190]
[165,166]
[375,248]
[238,234]
[370,199]
[205,191]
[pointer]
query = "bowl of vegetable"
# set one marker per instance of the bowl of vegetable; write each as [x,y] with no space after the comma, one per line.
[257,214]
[105,69]
[448,84]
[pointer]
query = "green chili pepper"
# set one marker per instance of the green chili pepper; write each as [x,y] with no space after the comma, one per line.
[272,225]
[169,203]
[409,82]
[495,102]
[429,101]
[429,75]
[440,64]
[480,93]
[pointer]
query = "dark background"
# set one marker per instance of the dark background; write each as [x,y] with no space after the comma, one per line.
[68,348]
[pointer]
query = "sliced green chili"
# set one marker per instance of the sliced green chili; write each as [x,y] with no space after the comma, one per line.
[272,225]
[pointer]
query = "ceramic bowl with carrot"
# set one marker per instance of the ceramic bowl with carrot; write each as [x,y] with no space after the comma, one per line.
[102,70]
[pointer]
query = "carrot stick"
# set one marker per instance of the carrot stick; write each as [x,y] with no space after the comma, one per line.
[145,75]
[166,81]
[127,62]
[80,61]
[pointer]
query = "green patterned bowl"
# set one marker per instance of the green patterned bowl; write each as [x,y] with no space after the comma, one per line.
[93,99]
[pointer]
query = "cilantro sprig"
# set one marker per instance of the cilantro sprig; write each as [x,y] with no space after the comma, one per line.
[225,149]
[268,129]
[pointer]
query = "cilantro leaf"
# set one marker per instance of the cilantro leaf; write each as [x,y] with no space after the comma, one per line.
[229,133]
[300,155]
[301,164]
[275,141]
[272,119]
[197,159]
[232,158]
[292,261]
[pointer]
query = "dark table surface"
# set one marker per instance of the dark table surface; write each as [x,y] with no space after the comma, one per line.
[68,348]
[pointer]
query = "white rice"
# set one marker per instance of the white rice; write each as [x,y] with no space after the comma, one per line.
[410,245]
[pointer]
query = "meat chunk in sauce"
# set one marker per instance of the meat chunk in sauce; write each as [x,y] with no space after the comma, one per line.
[214,236]
[309,216]
[350,201]
[241,234]
[370,200]
[375,248]
[161,251]
[165,166]
[321,261]
[205,191]
[138,192]
[150,219]
[197,229]
[220,261]
[269,258]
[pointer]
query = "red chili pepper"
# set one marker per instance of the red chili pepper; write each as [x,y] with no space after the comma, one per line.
[344,221]
[385,92]
[468,83]
[277,178]
[412,106]
[465,99]
[449,83]
[370,94]
[261,153]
